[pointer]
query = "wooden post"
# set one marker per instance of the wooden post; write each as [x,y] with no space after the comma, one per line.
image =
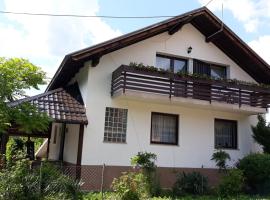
[62,142]
[4,141]
[79,152]
[49,141]
[80,144]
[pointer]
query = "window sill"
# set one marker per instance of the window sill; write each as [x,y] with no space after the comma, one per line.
[227,149]
[164,144]
[108,142]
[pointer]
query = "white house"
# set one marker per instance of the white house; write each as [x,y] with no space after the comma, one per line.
[106,108]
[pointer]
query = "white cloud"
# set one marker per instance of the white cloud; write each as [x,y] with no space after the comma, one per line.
[46,40]
[251,13]
[261,46]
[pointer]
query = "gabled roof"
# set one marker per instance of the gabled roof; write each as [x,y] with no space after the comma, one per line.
[62,105]
[203,19]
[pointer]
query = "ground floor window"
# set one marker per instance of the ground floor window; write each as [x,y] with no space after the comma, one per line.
[225,134]
[164,128]
[115,125]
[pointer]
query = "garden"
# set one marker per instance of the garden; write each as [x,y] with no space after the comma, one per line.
[248,179]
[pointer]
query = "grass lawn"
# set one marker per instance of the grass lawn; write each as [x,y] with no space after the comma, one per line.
[111,196]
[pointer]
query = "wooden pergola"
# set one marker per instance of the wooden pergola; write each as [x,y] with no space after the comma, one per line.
[63,105]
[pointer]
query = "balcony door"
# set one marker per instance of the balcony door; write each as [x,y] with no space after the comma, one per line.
[204,91]
[201,91]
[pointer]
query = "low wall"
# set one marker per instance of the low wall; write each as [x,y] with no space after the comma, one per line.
[93,178]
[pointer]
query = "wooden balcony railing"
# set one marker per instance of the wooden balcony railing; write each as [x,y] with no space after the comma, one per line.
[128,78]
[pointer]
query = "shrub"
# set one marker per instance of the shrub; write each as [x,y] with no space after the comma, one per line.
[190,183]
[232,183]
[53,183]
[99,196]
[221,157]
[130,186]
[256,169]
[19,182]
[146,162]
[14,147]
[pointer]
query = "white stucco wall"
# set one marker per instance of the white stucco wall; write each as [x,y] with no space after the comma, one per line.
[176,45]
[71,143]
[196,126]
[54,147]
[196,136]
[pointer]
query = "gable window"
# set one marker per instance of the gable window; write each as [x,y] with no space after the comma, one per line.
[171,63]
[115,125]
[225,134]
[164,128]
[212,70]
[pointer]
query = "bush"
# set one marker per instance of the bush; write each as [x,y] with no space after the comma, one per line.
[146,162]
[19,182]
[190,183]
[14,147]
[130,186]
[99,196]
[232,183]
[256,169]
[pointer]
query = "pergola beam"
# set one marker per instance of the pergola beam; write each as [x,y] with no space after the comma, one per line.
[36,135]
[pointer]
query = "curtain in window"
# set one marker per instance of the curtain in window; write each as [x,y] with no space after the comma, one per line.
[200,67]
[225,134]
[164,128]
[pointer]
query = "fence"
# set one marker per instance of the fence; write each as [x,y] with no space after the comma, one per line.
[90,178]
[128,78]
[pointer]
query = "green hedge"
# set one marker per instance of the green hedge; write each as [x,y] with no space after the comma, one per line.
[256,169]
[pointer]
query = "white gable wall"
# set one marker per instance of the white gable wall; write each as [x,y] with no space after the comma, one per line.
[196,127]
[71,143]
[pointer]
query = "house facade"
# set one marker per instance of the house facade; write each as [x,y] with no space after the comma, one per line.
[169,89]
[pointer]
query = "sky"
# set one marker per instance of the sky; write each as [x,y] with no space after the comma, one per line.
[46,40]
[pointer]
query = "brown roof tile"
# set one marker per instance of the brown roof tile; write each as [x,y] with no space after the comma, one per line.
[59,104]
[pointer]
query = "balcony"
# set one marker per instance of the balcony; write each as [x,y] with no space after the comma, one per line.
[160,86]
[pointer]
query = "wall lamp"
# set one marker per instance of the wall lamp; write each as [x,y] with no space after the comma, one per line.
[189,49]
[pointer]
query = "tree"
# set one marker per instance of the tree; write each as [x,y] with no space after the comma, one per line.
[261,133]
[16,76]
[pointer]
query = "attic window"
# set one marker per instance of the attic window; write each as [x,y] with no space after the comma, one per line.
[171,63]
[212,70]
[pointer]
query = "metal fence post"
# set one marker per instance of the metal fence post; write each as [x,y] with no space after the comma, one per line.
[102,181]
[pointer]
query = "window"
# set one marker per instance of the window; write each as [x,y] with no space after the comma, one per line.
[164,128]
[218,71]
[171,63]
[225,134]
[55,134]
[215,71]
[115,125]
